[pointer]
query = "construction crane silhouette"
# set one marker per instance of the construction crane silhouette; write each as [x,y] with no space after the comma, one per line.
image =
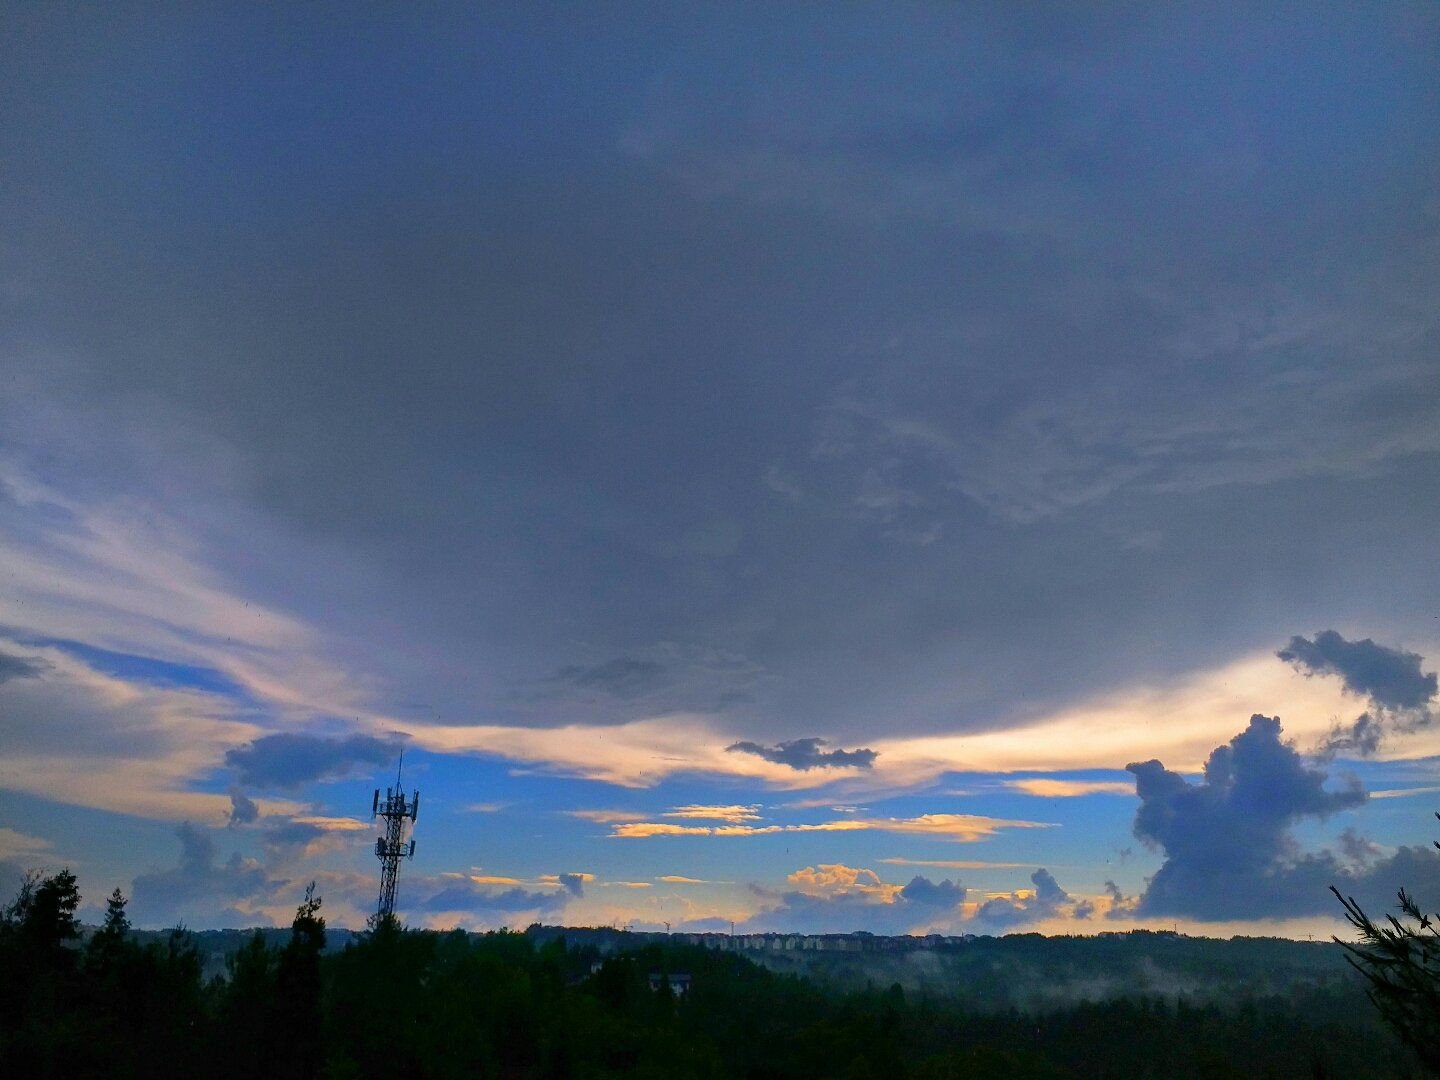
[396,810]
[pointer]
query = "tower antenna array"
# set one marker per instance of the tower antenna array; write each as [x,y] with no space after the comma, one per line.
[396,810]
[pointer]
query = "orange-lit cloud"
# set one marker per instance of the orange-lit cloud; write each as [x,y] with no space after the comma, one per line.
[333,824]
[733,814]
[959,827]
[1068,789]
[837,879]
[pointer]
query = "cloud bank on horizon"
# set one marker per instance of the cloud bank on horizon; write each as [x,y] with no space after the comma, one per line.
[763,466]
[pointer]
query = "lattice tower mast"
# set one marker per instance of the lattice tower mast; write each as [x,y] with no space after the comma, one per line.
[396,810]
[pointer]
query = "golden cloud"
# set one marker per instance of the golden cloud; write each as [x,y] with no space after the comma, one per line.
[837,879]
[965,828]
[733,814]
[1069,789]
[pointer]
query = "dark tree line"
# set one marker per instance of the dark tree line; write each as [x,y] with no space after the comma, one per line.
[400,1003]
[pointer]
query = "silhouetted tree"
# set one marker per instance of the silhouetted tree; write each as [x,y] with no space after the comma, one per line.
[1400,960]
[298,1018]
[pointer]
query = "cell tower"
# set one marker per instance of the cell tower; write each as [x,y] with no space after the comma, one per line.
[391,847]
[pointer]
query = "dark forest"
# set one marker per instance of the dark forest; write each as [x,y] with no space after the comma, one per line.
[393,1002]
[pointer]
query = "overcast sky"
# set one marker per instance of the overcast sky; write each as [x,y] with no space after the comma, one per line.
[763,464]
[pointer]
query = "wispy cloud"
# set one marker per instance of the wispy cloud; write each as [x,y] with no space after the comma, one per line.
[82,736]
[13,843]
[1069,789]
[1401,793]
[733,814]
[605,817]
[965,828]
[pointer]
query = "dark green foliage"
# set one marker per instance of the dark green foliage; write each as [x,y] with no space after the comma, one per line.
[510,1006]
[109,1009]
[1400,960]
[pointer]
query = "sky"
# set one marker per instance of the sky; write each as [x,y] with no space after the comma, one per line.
[955,468]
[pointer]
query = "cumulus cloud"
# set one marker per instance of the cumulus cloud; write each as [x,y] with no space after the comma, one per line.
[193,888]
[1399,692]
[1046,901]
[288,760]
[942,894]
[805,754]
[1391,678]
[1229,850]
[1120,906]
[306,837]
[835,898]
[574,884]
[474,899]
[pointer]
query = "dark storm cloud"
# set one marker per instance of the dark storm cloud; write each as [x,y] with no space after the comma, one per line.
[523,366]
[1400,694]
[1391,678]
[574,884]
[804,754]
[196,886]
[14,667]
[242,808]
[288,761]
[624,677]
[1047,901]
[1229,850]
